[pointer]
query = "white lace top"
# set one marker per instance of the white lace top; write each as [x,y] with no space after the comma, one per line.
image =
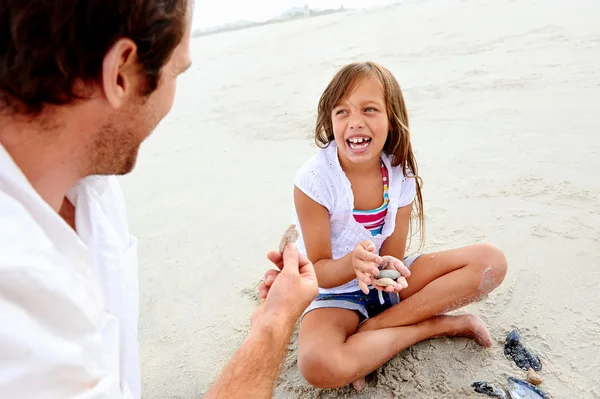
[321,178]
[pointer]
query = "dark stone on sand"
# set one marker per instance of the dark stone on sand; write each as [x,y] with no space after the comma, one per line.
[516,350]
[489,389]
[517,389]
[520,389]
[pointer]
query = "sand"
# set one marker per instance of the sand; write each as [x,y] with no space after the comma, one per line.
[503,99]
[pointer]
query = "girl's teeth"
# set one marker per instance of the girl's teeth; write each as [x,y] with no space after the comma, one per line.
[361,144]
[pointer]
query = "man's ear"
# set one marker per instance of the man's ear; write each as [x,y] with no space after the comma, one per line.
[120,72]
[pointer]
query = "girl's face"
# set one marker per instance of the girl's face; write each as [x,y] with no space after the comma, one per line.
[361,123]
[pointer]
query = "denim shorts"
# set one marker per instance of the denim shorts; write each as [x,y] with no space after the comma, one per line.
[369,305]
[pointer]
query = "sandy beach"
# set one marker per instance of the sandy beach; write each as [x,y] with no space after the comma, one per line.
[503,102]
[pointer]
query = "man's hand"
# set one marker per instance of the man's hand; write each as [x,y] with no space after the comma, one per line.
[288,291]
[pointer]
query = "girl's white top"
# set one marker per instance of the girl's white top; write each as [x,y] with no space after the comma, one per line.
[321,178]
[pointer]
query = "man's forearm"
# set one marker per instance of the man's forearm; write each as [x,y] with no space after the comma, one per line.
[252,371]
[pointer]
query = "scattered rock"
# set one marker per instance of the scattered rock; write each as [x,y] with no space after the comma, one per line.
[391,274]
[516,350]
[490,389]
[384,282]
[516,389]
[386,277]
[534,377]
[519,389]
[289,236]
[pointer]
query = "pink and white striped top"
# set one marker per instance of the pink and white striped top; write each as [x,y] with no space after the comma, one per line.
[373,219]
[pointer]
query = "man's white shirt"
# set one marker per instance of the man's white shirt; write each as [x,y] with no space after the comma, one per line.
[68,301]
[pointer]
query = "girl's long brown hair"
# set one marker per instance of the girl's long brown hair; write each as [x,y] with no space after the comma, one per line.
[397,145]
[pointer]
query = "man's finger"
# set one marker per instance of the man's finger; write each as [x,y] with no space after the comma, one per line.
[306,267]
[276,258]
[302,260]
[290,260]
[263,290]
[270,276]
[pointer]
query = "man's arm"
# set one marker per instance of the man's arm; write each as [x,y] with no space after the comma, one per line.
[253,370]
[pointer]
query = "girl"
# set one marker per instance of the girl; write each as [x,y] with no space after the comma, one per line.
[353,205]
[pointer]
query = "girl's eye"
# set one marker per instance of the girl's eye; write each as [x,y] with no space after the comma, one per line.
[370,109]
[340,111]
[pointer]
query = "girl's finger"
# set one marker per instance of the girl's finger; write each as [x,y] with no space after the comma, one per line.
[404,271]
[363,281]
[366,278]
[402,282]
[379,287]
[363,287]
[368,257]
[367,268]
[368,245]
[388,288]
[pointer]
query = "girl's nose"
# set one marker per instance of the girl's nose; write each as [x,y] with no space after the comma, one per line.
[357,122]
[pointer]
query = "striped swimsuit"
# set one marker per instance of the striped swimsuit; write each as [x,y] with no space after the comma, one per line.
[373,219]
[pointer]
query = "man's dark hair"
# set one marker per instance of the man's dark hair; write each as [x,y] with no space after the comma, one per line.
[48,45]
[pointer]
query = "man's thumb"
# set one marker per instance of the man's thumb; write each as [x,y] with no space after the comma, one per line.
[290,259]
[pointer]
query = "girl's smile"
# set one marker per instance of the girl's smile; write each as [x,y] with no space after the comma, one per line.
[359,144]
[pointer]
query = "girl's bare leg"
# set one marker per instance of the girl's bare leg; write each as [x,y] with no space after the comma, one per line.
[444,281]
[330,355]
[333,354]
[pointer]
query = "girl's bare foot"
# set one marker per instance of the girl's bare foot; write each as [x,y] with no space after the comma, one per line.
[359,384]
[468,326]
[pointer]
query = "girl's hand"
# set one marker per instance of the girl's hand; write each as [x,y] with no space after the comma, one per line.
[390,263]
[365,263]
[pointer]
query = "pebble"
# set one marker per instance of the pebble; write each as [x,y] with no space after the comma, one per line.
[289,236]
[392,274]
[533,377]
[384,282]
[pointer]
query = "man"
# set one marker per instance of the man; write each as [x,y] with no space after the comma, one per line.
[82,84]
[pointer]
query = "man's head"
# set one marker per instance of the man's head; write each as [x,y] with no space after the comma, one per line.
[105,67]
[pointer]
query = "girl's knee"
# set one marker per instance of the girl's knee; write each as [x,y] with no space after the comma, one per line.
[321,370]
[492,264]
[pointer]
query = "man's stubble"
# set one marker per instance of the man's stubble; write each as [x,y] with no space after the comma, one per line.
[116,145]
